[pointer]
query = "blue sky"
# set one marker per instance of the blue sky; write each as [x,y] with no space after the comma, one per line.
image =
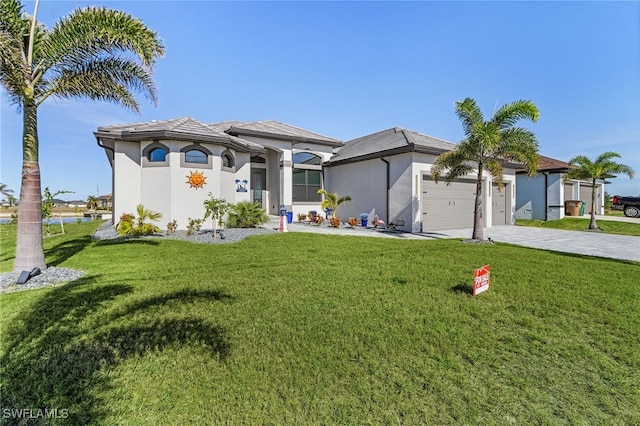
[348,69]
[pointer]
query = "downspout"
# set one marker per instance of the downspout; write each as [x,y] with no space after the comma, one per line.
[388,187]
[546,195]
[113,198]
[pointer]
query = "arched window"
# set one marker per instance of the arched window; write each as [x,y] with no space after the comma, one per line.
[195,156]
[307,177]
[155,155]
[228,160]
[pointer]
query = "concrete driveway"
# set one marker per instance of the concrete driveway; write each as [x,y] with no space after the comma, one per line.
[579,242]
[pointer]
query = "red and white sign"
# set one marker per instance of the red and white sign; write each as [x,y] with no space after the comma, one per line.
[481,279]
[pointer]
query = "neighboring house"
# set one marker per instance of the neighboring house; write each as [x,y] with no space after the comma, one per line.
[104,202]
[82,204]
[389,172]
[171,166]
[543,195]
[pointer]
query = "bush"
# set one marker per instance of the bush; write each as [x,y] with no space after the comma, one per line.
[246,214]
[194,226]
[335,221]
[130,225]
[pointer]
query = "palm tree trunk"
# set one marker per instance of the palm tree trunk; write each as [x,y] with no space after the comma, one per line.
[29,248]
[478,226]
[593,224]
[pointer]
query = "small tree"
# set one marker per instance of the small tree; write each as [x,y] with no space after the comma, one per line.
[332,200]
[603,167]
[216,208]
[247,214]
[4,190]
[47,206]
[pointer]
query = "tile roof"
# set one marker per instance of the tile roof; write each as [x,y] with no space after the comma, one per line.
[276,130]
[184,128]
[548,164]
[387,142]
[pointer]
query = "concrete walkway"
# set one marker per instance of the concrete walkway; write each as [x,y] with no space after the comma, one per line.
[589,243]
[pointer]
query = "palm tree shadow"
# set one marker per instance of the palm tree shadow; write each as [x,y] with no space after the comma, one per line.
[54,353]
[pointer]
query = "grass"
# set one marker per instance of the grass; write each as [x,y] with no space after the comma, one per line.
[316,329]
[581,224]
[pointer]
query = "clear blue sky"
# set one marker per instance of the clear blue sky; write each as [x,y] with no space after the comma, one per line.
[347,69]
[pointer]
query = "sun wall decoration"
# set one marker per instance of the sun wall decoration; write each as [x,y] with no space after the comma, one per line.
[196,180]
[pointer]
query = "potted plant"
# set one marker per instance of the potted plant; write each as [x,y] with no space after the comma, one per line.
[364,219]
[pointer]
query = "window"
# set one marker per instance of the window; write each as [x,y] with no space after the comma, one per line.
[157,154]
[307,177]
[195,156]
[227,159]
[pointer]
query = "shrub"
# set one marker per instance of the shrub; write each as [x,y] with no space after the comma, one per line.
[130,225]
[246,214]
[302,217]
[335,221]
[353,222]
[172,226]
[194,226]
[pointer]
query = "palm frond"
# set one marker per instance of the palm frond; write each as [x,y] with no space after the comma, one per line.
[469,114]
[496,171]
[509,114]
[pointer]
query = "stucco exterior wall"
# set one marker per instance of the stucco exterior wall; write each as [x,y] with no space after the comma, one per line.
[530,202]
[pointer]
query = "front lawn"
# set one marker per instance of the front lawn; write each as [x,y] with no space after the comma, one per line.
[581,224]
[303,328]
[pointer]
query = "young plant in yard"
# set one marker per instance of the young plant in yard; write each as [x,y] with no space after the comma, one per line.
[216,208]
[172,226]
[194,226]
[353,222]
[332,201]
[601,168]
[136,226]
[335,221]
[47,206]
[246,214]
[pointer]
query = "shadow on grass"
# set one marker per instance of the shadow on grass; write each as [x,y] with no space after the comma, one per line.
[463,289]
[58,353]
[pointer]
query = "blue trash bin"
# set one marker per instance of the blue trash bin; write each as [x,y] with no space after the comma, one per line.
[289,217]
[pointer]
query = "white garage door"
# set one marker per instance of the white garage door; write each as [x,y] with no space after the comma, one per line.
[499,206]
[447,206]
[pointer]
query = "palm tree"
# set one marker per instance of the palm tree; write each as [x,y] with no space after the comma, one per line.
[95,53]
[602,168]
[488,144]
[332,200]
[4,190]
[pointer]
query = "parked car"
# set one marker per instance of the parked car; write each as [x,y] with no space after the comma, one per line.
[629,205]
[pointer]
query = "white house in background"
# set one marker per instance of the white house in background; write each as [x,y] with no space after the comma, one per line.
[386,173]
[269,162]
[543,195]
[390,171]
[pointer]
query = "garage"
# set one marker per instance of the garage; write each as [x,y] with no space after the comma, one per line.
[498,206]
[585,196]
[447,206]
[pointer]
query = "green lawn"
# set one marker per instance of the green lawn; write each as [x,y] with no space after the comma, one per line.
[581,224]
[316,329]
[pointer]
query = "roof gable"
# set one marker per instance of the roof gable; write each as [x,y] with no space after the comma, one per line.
[388,142]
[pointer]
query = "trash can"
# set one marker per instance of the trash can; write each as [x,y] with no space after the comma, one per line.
[582,208]
[572,207]
[289,217]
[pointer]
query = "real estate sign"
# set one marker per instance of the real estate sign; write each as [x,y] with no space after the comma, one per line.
[481,279]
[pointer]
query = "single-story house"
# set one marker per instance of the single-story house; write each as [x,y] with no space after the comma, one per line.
[390,172]
[543,195]
[104,202]
[171,166]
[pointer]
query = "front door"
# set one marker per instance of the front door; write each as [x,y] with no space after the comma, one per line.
[258,185]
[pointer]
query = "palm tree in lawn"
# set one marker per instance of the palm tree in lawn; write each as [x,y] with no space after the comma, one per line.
[4,190]
[603,167]
[94,53]
[487,144]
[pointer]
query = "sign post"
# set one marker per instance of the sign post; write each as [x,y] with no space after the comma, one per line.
[481,279]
